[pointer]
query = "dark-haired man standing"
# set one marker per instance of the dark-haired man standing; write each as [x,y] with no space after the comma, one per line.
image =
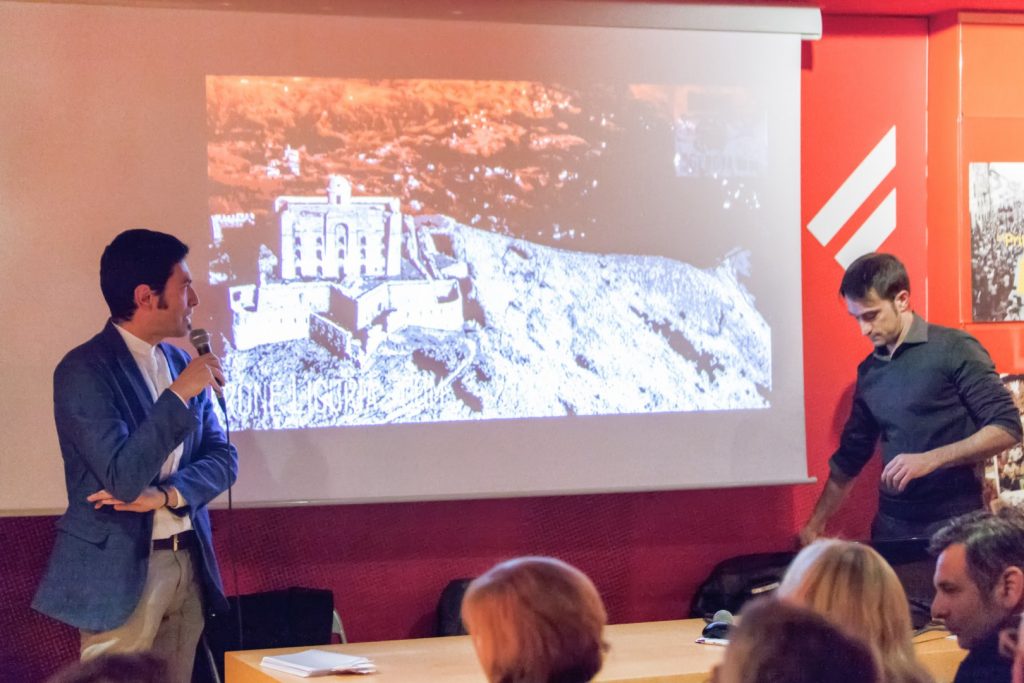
[933,398]
[979,584]
[132,565]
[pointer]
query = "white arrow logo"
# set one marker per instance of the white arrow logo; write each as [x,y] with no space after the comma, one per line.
[851,195]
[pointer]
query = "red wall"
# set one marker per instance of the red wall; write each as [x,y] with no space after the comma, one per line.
[646,552]
[975,115]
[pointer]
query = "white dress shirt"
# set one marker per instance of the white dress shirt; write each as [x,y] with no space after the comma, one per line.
[157,374]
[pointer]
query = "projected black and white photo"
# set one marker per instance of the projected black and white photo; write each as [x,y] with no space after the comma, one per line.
[997,241]
[397,251]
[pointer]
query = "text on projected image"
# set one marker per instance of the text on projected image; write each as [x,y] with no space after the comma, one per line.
[427,250]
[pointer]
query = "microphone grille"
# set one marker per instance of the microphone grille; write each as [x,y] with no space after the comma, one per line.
[723,615]
[199,337]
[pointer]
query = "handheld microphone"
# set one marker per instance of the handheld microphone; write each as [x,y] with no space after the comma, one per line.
[200,339]
[723,615]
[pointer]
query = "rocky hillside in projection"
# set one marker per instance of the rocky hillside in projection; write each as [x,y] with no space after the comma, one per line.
[579,333]
[549,332]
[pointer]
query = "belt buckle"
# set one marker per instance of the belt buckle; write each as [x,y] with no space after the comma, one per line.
[174,543]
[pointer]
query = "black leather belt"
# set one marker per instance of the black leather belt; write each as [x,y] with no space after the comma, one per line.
[186,539]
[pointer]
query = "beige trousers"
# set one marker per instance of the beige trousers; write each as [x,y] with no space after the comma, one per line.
[167,621]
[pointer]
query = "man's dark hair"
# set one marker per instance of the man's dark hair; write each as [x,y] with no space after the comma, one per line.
[137,257]
[880,272]
[783,643]
[992,542]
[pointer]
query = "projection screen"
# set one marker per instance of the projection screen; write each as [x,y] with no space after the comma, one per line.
[438,258]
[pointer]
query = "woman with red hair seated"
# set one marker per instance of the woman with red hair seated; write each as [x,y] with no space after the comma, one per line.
[536,620]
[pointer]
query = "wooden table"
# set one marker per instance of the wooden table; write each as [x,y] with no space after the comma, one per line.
[650,652]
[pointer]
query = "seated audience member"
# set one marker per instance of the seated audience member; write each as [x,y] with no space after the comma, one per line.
[776,642]
[979,582]
[535,620]
[134,667]
[853,586]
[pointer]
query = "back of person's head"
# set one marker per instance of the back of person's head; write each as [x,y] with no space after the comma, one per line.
[536,620]
[775,642]
[993,542]
[137,257]
[135,667]
[883,273]
[853,586]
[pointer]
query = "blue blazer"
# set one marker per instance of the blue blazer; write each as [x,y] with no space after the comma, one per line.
[113,436]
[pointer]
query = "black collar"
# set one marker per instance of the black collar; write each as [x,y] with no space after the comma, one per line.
[917,334]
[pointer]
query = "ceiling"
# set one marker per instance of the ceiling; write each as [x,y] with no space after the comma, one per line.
[901,7]
[917,8]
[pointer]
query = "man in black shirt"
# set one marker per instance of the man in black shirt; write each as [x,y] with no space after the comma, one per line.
[933,398]
[979,584]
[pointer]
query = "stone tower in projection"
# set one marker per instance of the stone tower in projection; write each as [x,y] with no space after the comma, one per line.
[339,237]
[341,281]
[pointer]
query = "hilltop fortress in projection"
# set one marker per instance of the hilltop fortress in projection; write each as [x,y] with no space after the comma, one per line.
[343,281]
[365,315]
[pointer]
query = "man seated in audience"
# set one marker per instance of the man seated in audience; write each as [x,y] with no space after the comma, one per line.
[776,642]
[979,582]
[536,620]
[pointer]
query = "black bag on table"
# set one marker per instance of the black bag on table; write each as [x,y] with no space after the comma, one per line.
[738,579]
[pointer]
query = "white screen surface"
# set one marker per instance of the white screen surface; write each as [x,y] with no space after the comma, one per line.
[582,268]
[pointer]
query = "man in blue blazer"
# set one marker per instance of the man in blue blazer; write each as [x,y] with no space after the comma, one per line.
[144,453]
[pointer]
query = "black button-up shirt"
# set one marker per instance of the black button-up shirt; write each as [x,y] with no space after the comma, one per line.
[938,387]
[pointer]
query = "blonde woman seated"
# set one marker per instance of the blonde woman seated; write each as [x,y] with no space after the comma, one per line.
[536,620]
[853,586]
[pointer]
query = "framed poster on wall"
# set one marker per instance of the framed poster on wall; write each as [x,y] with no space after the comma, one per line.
[997,241]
